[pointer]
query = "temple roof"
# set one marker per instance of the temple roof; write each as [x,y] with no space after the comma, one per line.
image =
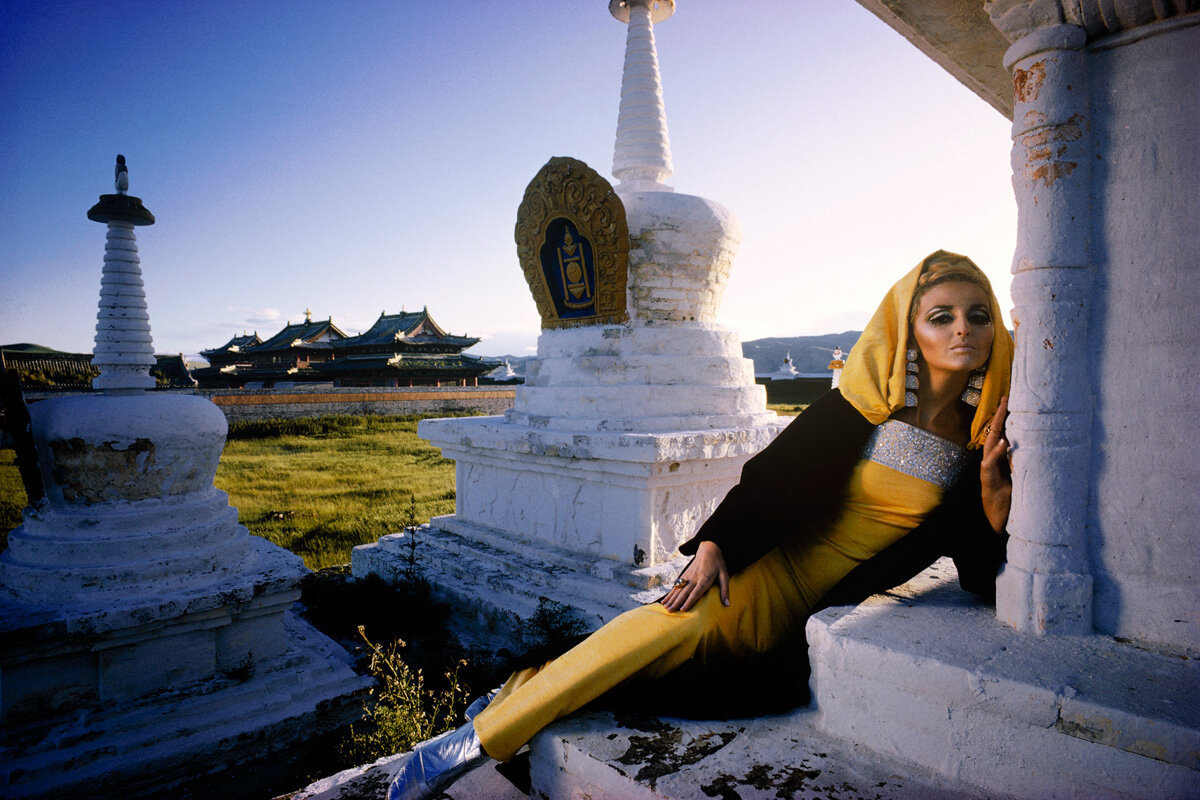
[423,343]
[415,326]
[305,333]
[237,344]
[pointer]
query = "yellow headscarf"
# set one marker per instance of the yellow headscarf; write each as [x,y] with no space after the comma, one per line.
[873,379]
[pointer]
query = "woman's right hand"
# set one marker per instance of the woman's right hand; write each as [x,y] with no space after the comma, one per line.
[706,568]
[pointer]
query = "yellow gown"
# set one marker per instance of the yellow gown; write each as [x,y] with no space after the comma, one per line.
[900,479]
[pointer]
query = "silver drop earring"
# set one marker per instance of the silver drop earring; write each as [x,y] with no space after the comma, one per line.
[911,384]
[971,394]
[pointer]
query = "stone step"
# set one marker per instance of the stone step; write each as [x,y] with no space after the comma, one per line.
[645,370]
[681,339]
[929,676]
[119,518]
[617,402]
[500,600]
[492,576]
[593,420]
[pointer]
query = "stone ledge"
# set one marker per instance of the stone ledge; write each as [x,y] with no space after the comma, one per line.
[371,782]
[927,676]
[627,756]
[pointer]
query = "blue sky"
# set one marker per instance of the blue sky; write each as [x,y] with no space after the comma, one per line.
[358,157]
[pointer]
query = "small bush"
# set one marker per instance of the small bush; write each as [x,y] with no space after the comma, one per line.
[401,712]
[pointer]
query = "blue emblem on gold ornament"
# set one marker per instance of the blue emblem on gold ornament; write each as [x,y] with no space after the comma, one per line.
[573,244]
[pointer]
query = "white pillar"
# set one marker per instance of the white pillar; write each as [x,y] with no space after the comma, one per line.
[1046,586]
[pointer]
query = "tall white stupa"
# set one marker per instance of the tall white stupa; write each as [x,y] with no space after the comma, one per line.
[148,640]
[632,424]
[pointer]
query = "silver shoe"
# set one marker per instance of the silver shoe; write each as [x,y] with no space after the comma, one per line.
[434,764]
[480,703]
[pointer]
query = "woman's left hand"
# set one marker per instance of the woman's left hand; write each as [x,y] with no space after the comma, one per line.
[995,472]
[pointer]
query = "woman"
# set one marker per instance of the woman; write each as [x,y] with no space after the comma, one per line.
[905,462]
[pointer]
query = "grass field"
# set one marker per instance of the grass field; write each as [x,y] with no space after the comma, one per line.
[320,487]
[12,494]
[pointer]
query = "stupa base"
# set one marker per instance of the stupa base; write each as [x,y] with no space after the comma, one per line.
[629,497]
[133,696]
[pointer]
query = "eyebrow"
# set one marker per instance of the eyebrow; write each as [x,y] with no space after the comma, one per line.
[972,307]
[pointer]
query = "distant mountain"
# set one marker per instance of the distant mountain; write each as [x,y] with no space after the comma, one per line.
[809,353]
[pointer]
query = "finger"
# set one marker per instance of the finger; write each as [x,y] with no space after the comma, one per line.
[723,582]
[1000,416]
[683,580]
[678,596]
[995,430]
[1003,456]
[692,599]
[991,455]
[694,593]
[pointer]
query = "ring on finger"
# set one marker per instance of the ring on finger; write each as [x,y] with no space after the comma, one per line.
[679,584]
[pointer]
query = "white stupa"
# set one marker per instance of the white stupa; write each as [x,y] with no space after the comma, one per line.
[787,370]
[147,637]
[625,435]
[837,363]
[503,373]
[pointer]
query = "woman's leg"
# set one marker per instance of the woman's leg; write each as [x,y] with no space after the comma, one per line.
[766,605]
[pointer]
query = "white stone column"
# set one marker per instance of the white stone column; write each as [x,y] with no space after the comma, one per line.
[642,154]
[1046,586]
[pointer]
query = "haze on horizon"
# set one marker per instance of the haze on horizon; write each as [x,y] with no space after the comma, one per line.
[373,159]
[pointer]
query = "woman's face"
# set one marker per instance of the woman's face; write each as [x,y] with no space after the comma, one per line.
[953,327]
